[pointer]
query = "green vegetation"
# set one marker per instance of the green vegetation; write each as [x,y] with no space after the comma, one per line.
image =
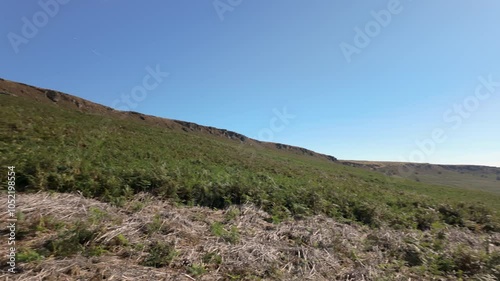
[212,258]
[120,240]
[231,236]
[463,176]
[196,269]
[389,227]
[28,255]
[156,226]
[97,215]
[463,261]
[232,213]
[75,240]
[160,254]
[112,159]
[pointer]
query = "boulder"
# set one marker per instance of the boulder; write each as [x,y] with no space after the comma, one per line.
[53,95]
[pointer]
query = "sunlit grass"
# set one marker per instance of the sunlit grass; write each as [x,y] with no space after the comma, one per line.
[113,159]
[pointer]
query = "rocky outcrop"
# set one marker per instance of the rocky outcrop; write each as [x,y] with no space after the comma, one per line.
[304,151]
[193,127]
[53,95]
[7,93]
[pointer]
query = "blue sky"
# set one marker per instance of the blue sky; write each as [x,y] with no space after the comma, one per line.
[233,68]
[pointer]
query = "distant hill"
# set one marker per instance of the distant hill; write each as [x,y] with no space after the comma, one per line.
[465,176]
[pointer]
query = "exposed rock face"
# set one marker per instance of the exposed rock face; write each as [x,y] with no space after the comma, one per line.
[289,147]
[304,151]
[7,93]
[462,168]
[53,95]
[188,126]
[232,135]
[331,158]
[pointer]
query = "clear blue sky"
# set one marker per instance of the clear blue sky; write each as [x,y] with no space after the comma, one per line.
[231,70]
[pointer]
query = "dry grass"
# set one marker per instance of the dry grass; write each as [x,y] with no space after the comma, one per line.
[317,248]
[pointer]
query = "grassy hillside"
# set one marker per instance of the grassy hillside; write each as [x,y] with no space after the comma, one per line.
[56,148]
[111,159]
[464,176]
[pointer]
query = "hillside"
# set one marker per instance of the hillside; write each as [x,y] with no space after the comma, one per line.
[464,176]
[102,192]
[63,100]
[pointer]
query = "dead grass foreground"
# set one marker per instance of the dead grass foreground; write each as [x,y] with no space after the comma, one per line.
[151,239]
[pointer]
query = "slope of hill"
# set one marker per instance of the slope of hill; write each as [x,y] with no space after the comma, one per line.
[62,100]
[208,194]
[464,176]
